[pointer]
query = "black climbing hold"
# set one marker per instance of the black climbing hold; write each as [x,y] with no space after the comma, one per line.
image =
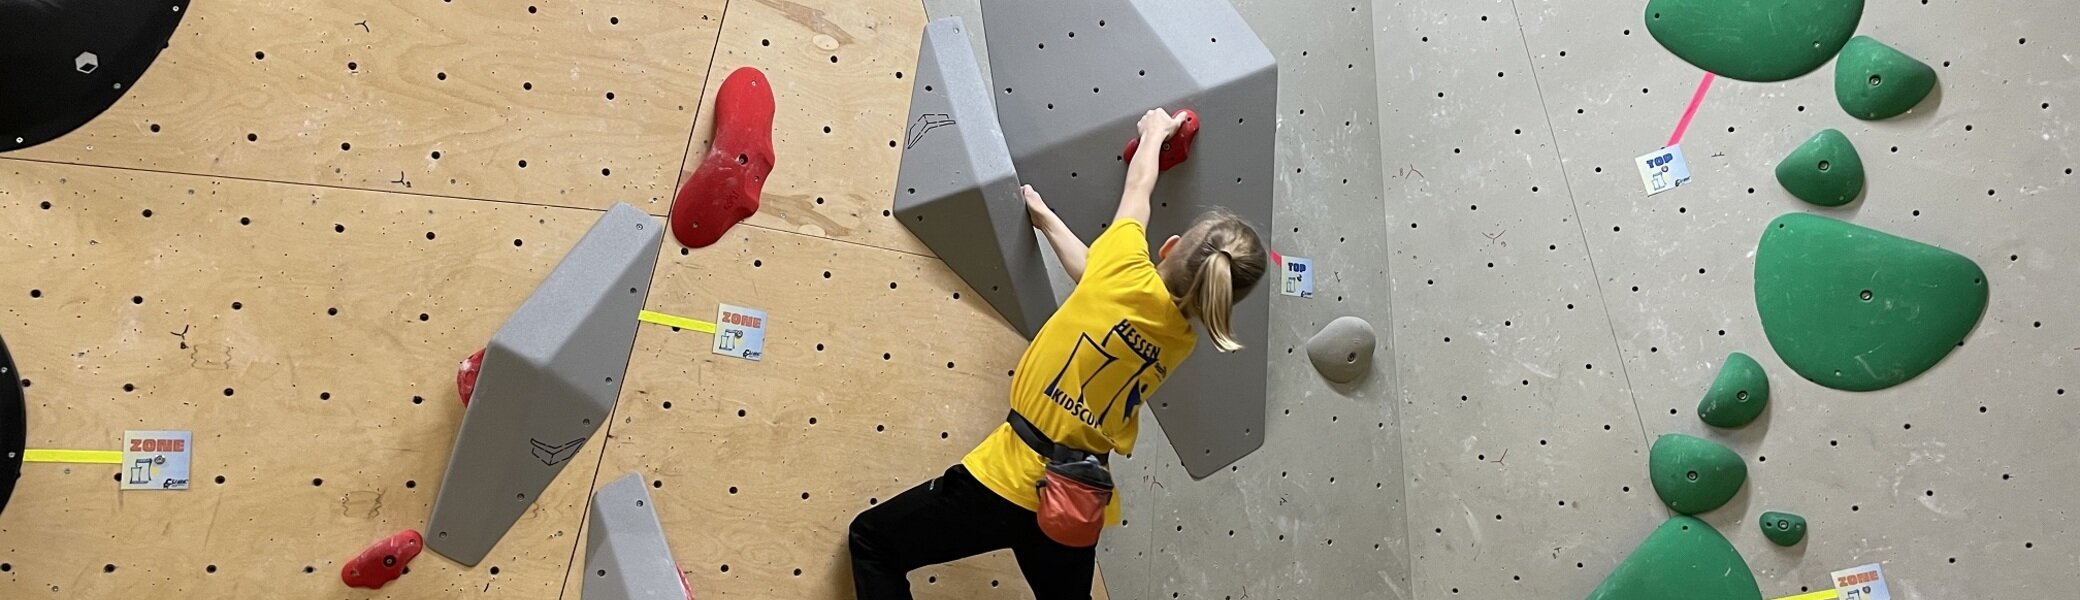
[63,62]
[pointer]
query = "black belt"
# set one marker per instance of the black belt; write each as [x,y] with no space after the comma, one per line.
[1047,448]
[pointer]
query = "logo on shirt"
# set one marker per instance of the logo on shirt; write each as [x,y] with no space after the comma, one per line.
[1112,365]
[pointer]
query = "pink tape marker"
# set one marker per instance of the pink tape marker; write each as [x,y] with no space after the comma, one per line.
[1696,100]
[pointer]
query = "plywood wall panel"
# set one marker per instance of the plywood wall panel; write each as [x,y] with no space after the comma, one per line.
[308,337]
[556,103]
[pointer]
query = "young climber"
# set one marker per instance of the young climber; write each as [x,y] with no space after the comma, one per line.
[1124,329]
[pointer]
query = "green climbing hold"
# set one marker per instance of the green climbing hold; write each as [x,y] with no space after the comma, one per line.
[1825,170]
[1694,475]
[1754,40]
[1684,558]
[1782,528]
[1738,396]
[1857,309]
[1874,81]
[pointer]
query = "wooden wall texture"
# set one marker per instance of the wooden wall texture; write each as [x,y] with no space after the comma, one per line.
[298,221]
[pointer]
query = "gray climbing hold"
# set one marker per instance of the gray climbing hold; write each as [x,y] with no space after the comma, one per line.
[626,555]
[1067,105]
[957,190]
[550,376]
[1342,351]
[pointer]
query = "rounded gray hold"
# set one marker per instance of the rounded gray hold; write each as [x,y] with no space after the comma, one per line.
[1342,351]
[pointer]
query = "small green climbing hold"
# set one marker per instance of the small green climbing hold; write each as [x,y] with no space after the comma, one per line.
[1857,309]
[1684,558]
[1754,40]
[1782,528]
[1738,396]
[1694,475]
[1874,81]
[1825,170]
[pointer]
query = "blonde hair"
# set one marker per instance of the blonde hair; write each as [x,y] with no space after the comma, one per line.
[1223,259]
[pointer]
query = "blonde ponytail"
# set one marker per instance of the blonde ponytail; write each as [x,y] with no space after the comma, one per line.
[1223,259]
[1212,298]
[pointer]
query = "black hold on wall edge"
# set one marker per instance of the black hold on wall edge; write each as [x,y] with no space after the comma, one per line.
[63,62]
[14,422]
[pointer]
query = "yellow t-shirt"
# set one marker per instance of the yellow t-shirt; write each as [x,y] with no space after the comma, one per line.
[1089,369]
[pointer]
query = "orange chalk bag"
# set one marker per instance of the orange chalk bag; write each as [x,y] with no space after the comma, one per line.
[1074,491]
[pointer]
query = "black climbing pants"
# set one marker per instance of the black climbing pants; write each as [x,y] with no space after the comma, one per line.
[955,517]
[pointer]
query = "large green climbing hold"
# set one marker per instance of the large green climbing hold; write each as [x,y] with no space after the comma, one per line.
[1754,40]
[1738,396]
[1782,528]
[1694,475]
[1825,170]
[1685,558]
[1857,309]
[1874,81]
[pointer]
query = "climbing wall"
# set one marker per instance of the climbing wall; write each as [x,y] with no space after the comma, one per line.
[1324,492]
[575,104]
[1552,320]
[1326,489]
[303,216]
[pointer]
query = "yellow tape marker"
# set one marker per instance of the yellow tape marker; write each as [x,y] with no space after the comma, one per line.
[1819,595]
[675,321]
[86,457]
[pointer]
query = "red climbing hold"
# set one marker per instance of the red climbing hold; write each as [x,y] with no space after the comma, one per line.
[466,375]
[383,561]
[1177,148]
[724,190]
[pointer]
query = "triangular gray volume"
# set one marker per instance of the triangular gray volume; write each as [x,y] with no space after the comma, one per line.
[1070,79]
[550,377]
[957,190]
[626,555]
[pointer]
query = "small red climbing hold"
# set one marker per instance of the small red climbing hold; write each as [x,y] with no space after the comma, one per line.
[1177,148]
[382,561]
[466,375]
[724,189]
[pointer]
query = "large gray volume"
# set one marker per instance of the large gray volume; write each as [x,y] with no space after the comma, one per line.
[550,377]
[957,190]
[1071,78]
[626,555]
